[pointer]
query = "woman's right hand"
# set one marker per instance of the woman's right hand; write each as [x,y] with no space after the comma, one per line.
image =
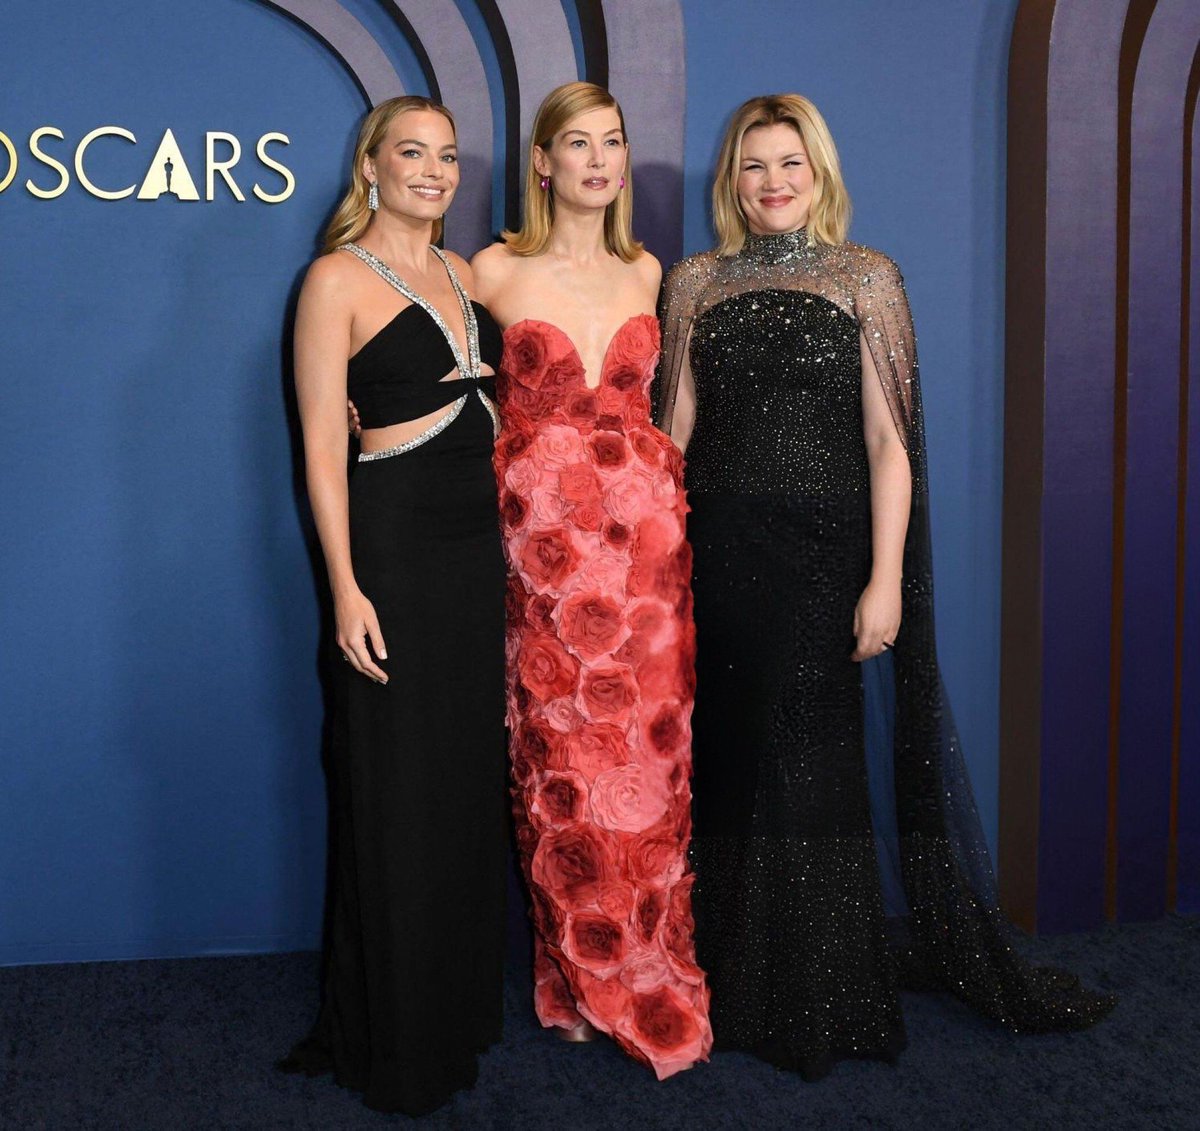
[356,624]
[353,424]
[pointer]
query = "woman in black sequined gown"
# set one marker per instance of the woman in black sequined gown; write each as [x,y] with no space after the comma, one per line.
[789,374]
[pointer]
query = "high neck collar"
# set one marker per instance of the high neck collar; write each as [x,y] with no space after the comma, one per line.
[777,247]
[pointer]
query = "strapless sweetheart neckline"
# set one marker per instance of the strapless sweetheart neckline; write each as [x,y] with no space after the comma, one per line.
[575,349]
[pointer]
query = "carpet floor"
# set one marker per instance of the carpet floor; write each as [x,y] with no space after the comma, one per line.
[189,1043]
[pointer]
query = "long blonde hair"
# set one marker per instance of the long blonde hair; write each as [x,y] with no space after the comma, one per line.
[829,213]
[558,108]
[353,216]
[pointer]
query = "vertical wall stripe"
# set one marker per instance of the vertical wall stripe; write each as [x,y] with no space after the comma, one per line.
[1077,511]
[1187,805]
[1024,381]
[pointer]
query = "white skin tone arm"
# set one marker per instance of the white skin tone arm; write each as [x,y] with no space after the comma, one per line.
[322,347]
[877,617]
[683,418]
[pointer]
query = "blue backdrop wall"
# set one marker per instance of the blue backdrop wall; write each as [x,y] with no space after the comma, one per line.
[160,782]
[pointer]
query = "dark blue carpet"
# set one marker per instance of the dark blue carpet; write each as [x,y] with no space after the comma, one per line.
[190,1043]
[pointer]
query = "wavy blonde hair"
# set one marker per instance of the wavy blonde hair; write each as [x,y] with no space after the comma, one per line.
[353,216]
[829,213]
[558,109]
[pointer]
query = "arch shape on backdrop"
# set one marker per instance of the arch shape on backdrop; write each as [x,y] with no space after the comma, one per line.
[1097,745]
[634,47]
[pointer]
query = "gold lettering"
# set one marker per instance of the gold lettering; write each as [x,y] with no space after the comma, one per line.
[12,161]
[214,166]
[101,131]
[289,181]
[64,178]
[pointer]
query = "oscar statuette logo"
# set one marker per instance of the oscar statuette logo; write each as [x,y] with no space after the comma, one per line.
[166,174]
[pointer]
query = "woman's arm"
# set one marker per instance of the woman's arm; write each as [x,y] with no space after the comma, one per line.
[322,348]
[877,617]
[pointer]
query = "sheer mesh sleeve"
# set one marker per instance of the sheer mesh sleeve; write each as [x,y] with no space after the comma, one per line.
[881,307]
[682,300]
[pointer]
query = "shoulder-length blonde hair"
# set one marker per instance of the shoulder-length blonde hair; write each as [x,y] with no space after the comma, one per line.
[558,109]
[353,216]
[829,214]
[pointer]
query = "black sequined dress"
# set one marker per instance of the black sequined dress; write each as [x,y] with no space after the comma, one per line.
[803,958]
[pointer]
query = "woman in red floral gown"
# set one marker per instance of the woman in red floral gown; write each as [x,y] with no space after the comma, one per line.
[601,645]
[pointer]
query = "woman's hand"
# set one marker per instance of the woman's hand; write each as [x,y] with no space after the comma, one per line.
[876,619]
[353,424]
[356,624]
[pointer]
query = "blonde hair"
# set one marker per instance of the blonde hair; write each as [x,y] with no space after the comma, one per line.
[353,216]
[829,213]
[561,106]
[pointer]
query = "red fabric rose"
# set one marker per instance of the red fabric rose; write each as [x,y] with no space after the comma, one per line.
[606,1002]
[650,908]
[608,450]
[513,441]
[629,798]
[594,942]
[625,377]
[607,693]
[535,747]
[513,511]
[571,864]
[615,899]
[580,409]
[545,668]
[669,1030]
[591,625]
[637,342]
[610,422]
[654,861]
[578,483]
[597,747]
[668,731]
[552,996]
[525,354]
[588,516]
[647,448]
[556,799]
[547,560]
[616,534]
[539,611]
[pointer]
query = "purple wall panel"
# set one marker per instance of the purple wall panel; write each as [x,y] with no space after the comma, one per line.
[1081,203]
[1189,744]
[1151,476]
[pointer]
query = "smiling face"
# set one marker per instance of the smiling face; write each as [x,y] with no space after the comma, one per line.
[415,166]
[774,180]
[585,160]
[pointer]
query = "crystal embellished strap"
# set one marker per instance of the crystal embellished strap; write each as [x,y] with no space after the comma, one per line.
[467,367]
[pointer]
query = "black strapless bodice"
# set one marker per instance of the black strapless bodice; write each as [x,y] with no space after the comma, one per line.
[397,375]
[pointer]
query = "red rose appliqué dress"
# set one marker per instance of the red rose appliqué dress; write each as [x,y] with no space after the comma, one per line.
[601,651]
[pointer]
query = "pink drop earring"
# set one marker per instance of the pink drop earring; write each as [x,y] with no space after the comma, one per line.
[545,183]
[622,182]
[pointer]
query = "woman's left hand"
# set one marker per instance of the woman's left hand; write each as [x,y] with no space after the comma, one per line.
[876,619]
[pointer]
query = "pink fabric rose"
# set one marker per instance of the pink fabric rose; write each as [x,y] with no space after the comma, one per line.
[579,483]
[591,625]
[653,861]
[629,798]
[607,693]
[556,446]
[596,747]
[546,503]
[522,475]
[545,668]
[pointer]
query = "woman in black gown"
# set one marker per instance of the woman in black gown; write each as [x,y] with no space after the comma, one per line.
[414,947]
[790,376]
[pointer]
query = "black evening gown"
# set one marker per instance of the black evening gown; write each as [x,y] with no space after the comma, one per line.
[412,987]
[804,963]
